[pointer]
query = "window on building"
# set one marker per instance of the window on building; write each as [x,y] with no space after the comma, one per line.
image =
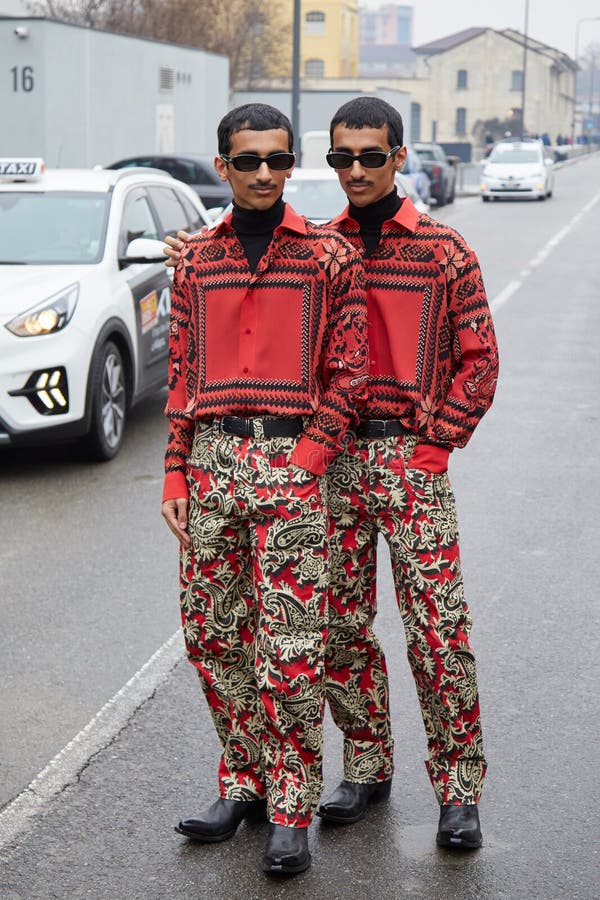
[461,120]
[516,80]
[461,79]
[314,22]
[415,121]
[314,68]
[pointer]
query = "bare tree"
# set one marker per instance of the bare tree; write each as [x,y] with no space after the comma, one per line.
[254,34]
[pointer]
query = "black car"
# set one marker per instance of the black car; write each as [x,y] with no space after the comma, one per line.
[441,170]
[197,170]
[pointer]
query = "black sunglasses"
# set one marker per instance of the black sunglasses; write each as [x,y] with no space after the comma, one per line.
[250,162]
[370,159]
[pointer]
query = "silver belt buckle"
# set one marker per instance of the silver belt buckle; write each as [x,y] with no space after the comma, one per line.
[258,429]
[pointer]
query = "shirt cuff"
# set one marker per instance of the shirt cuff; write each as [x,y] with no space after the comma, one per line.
[429,458]
[311,456]
[175,486]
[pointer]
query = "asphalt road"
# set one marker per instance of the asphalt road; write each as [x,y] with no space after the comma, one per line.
[89,594]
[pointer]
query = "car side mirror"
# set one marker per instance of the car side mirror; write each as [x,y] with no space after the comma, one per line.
[143,250]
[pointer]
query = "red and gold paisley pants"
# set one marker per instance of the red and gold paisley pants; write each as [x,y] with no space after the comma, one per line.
[254,610]
[372,491]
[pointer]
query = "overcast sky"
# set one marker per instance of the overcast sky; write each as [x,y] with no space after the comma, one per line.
[552,21]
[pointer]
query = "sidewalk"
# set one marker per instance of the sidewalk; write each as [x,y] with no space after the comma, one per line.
[110,835]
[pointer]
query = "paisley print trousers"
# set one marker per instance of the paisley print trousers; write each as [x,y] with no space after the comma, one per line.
[254,608]
[372,491]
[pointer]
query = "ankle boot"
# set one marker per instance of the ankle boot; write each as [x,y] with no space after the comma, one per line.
[286,852]
[459,827]
[349,801]
[221,820]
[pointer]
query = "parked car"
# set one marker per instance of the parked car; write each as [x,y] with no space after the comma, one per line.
[197,170]
[84,298]
[414,170]
[405,189]
[441,170]
[317,193]
[520,169]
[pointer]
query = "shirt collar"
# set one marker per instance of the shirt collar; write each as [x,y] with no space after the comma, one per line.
[292,220]
[406,217]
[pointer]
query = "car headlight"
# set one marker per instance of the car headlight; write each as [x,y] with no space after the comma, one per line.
[47,317]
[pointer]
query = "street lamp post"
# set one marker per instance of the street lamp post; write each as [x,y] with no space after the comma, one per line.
[577,26]
[295,117]
[524,68]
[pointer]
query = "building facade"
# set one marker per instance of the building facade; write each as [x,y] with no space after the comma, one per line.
[476,80]
[469,85]
[329,39]
[385,41]
[81,97]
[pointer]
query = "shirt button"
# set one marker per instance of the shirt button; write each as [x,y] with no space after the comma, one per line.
[372,362]
[245,369]
[248,331]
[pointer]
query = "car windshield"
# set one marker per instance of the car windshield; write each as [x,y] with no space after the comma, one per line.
[514,155]
[424,153]
[317,199]
[52,227]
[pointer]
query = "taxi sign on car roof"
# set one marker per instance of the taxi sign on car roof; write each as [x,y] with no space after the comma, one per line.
[18,169]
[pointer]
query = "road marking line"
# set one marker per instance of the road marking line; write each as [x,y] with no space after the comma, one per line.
[100,731]
[513,286]
[501,298]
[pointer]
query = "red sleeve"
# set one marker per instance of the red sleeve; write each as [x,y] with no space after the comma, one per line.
[474,348]
[181,426]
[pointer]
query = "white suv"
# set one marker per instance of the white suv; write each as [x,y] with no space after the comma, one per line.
[517,170]
[84,298]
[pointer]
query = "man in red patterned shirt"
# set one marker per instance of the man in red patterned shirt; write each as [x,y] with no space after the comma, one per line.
[433,370]
[268,358]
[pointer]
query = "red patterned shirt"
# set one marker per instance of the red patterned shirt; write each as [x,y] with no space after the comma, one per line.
[432,347]
[288,340]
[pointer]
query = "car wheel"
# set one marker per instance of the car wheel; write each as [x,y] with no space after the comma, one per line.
[108,400]
[486,199]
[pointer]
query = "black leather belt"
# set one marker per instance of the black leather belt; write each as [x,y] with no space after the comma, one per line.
[261,428]
[380,428]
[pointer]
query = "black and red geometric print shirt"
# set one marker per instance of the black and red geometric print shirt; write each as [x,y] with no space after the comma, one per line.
[288,340]
[432,348]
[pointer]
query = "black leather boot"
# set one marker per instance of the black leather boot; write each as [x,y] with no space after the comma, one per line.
[286,852]
[221,820]
[349,801]
[459,827]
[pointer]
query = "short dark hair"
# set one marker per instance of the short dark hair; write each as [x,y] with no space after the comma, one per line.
[252,117]
[370,112]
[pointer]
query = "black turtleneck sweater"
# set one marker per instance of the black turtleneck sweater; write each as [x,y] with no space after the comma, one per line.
[371,218]
[255,227]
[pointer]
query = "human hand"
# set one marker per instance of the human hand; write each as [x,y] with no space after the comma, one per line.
[174,246]
[174,513]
